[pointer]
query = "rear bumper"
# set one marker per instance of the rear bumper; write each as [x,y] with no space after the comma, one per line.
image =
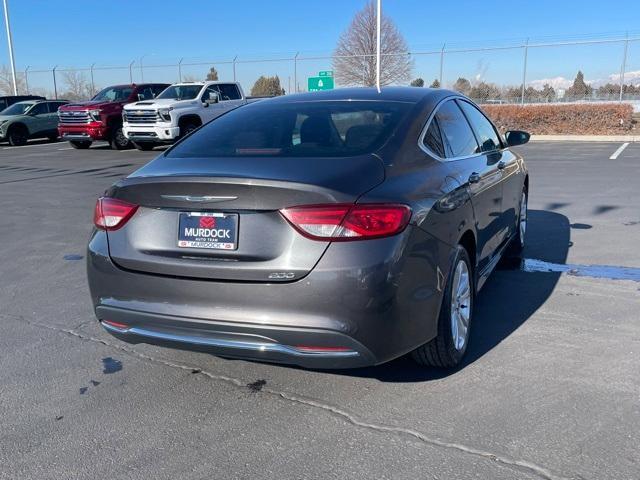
[312,348]
[86,132]
[365,306]
[151,133]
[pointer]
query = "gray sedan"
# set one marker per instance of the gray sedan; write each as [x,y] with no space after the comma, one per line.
[334,229]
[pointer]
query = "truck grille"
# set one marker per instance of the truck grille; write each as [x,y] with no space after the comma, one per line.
[73,117]
[140,116]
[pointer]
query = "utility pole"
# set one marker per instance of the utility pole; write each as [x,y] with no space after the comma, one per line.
[10,42]
[524,71]
[624,67]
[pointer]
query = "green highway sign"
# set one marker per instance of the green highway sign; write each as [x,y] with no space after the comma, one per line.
[326,73]
[315,84]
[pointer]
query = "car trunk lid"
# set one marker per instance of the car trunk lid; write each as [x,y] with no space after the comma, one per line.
[252,190]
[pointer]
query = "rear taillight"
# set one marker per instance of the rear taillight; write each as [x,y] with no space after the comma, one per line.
[111,214]
[343,222]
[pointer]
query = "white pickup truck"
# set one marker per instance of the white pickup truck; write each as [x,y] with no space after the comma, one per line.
[178,110]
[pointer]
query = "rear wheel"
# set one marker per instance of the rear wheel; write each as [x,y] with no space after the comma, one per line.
[517,244]
[144,146]
[79,144]
[18,136]
[118,140]
[454,322]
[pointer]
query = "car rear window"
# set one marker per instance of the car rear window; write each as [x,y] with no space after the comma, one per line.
[296,129]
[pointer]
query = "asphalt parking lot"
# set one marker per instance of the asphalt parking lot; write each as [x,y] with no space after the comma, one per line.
[550,387]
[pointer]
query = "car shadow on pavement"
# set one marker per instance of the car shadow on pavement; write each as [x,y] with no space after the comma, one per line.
[509,298]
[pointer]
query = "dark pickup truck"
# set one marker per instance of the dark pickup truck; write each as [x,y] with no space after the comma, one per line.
[100,118]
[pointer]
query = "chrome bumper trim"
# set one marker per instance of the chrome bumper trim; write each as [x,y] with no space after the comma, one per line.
[76,136]
[231,344]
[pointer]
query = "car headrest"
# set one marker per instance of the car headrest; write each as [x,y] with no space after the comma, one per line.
[361,136]
[316,130]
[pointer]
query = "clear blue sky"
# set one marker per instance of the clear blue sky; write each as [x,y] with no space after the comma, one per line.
[114,32]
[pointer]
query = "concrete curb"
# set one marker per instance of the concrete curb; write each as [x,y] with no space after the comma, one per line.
[585,138]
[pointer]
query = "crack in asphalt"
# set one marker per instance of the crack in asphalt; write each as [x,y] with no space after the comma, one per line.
[520,465]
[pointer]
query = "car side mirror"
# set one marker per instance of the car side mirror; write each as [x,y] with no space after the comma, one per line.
[213,98]
[516,137]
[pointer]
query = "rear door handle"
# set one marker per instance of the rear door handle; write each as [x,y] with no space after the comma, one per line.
[501,165]
[474,177]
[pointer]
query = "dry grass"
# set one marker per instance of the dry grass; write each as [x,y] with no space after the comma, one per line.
[570,119]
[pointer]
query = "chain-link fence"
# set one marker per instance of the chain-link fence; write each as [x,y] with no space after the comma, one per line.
[596,69]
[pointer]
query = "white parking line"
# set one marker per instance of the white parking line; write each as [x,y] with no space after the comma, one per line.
[68,148]
[27,146]
[617,153]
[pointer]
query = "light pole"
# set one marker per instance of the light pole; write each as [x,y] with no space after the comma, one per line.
[141,70]
[378,45]
[26,79]
[10,42]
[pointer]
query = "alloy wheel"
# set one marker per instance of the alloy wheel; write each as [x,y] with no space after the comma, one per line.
[523,218]
[460,305]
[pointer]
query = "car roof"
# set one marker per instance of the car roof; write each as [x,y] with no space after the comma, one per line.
[390,94]
[27,97]
[31,102]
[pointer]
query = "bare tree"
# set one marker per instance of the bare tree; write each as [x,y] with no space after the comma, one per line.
[213,74]
[6,81]
[355,55]
[77,85]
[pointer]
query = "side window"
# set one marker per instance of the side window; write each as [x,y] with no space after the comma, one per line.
[145,93]
[157,89]
[39,109]
[208,91]
[3,104]
[433,138]
[487,135]
[53,106]
[457,135]
[229,91]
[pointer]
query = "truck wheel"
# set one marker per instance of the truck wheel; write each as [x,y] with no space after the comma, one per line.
[187,128]
[118,140]
[79,144]
[144,146]
[454,322]
[18,136]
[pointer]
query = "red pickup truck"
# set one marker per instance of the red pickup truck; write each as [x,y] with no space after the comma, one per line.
[100,118]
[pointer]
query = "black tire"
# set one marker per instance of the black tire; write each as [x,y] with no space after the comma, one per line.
[516,247]
[80,144]
[18,136]
[187,128]
[442,351]
[144,146]
[118,141]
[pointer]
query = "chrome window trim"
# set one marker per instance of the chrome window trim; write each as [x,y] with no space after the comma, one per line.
[423,133]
